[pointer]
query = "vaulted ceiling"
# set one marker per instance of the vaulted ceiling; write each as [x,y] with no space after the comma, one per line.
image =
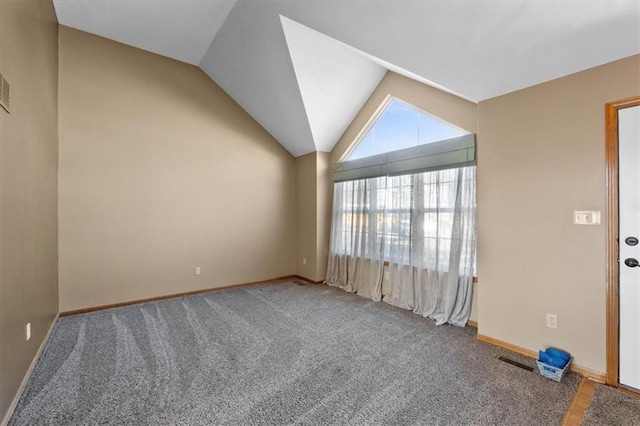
[303,69]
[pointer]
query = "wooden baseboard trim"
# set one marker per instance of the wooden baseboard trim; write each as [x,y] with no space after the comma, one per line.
[590,374]
[170,296]
[506,345]
[27,374]
[300,277]
[593,375]
[472,323]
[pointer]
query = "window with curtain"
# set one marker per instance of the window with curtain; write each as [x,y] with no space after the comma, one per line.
[421,223]
[405,215]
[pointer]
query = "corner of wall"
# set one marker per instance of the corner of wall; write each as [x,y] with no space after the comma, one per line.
[324,207]
[306,216]
[168,173]
[28,232]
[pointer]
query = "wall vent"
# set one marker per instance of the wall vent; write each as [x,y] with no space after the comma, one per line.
[4,93]
[516,363]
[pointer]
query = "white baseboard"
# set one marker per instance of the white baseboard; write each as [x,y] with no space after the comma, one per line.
[27,375]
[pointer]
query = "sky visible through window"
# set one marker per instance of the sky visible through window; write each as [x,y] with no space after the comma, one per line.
[401,126]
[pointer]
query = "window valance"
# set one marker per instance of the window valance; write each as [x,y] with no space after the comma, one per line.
[446,154]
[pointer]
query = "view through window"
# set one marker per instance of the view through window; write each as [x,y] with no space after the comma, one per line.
[408,219]
[400,126]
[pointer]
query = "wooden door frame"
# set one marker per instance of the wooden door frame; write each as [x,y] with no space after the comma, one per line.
[613,283]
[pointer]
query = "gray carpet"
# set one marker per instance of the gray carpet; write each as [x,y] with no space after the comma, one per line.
[612,407]
[279,353]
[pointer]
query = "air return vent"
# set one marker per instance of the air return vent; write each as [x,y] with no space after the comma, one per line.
[516,363]
[4,93]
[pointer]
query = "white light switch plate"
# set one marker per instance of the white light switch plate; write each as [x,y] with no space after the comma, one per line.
[584,217]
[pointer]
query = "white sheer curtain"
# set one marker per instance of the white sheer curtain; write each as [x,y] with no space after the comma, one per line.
[424,225]
[356,262]
[431,271]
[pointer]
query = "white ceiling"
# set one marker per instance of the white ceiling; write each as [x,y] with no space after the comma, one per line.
[179,29]
[303,69]
[329,74]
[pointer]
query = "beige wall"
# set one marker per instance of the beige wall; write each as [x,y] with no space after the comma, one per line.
[306,216]
[473,316]
[28,186]
[450,108]
[313,214]
[324,200]
[160,172]
[540,157]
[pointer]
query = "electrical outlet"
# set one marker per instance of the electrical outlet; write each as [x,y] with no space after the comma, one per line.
[552,321]
[304,260]
[27,331]
[197,270]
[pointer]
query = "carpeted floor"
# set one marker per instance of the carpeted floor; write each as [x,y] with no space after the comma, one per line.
[279,353]
[612,407]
